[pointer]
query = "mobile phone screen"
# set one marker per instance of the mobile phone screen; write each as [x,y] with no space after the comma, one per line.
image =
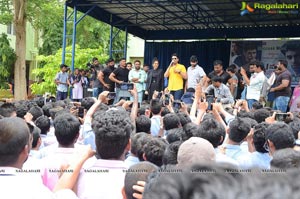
[111,95]
[281,116]
[210,100]
[80,112]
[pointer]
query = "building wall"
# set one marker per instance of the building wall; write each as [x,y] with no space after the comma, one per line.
[135,49]
[31,45]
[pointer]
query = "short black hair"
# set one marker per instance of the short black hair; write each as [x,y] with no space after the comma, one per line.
[36,134]
[7,109]
[190,130]
[14,136]
[63,65]
[155,106]
[40,101]
[261,114]
[94,59]
[239,129]
[257,105]
[295,125]
[43,122]
[286,159]
[217,79]
[174,135]
[212,131]
[260,65]
[283,62]
[143,108]
[188,184]
[170,154]
[171,121]
[217,62]
[36,112]
[184,118]
[109,60]
[136,143]
[231,68]
[143,124]
[21,109]
[259,137]
[87,102]
[142,140]
[154,60]
[66,128]
[46,109]
[154,150]
[112,131]
[137,172]
[193,58]
[175,54]
[281,135]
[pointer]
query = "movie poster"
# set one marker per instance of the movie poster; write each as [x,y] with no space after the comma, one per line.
[269,52]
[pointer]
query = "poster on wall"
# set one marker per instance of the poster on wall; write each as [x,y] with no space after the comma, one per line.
[269,52]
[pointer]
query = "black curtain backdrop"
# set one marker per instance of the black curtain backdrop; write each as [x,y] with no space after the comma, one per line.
[206,51]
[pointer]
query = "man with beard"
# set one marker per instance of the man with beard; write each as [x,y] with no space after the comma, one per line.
[282,87]
[138,77]
[108,85]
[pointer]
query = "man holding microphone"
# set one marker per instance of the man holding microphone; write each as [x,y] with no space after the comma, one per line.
[177,74]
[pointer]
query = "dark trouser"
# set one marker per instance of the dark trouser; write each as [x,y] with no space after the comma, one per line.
[177,94]
[61,95]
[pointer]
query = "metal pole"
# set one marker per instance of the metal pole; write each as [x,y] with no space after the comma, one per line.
[74,36]
[126,39]
[111,41]
[63,54]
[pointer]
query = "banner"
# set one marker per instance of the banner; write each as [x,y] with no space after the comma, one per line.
[269,52]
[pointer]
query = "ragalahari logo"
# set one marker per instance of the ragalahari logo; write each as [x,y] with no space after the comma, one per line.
[246,8]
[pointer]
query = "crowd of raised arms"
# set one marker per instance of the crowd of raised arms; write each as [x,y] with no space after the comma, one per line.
[173,134]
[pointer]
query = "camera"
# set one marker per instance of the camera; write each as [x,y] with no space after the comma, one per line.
[210,100]
[159,95]
[281,116]
[126,86]
[80,112]
[177,105]
[167,99]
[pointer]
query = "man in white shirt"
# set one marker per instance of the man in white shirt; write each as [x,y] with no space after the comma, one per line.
[255,83]
[15,144]
[195,74]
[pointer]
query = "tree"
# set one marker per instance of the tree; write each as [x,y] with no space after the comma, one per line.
[51,66]
[18,12]
[7,60]
[47,16]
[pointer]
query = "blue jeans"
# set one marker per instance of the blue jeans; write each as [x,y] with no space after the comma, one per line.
[281,103]
[96,92]
[140,97]
[177,94]
[250,103]
[244,92]
[61,95]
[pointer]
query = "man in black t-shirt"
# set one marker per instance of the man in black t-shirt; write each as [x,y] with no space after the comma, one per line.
[218,71]
[282,87]
[119,76]
[108,85]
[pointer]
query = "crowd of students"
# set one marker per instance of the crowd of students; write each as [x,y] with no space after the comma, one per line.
[175,145]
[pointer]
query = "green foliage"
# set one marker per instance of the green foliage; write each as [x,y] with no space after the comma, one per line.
[51,64]
[7,60]
[6,14]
